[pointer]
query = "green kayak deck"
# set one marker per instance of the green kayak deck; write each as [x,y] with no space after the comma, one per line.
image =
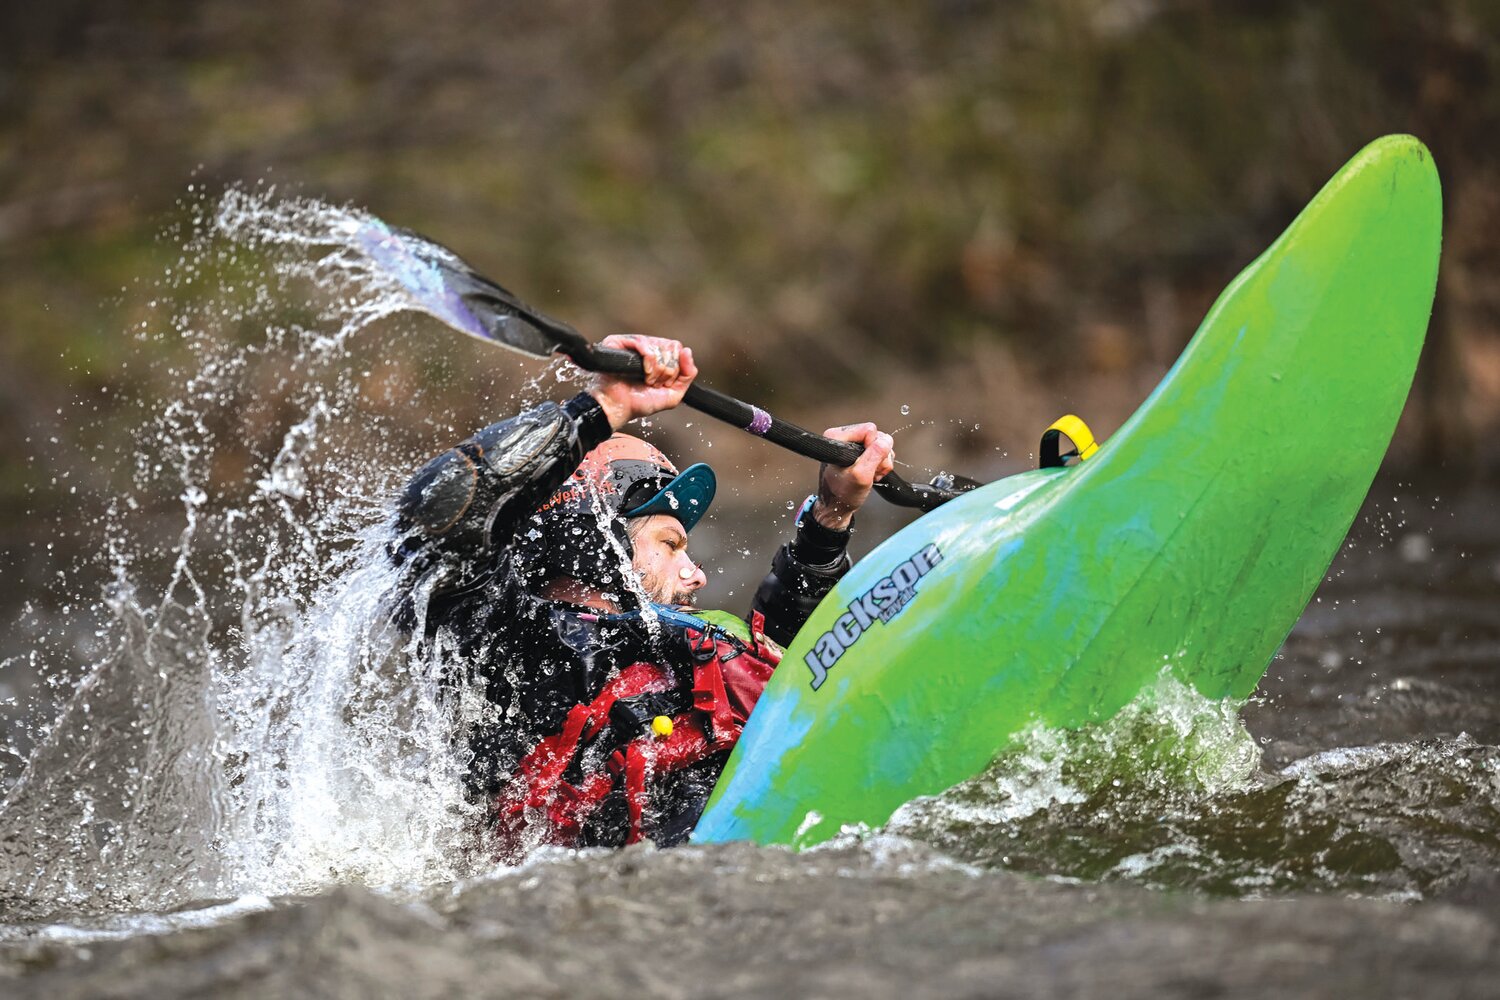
[1191,540]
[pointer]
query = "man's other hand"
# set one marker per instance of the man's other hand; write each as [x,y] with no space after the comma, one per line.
[841,492]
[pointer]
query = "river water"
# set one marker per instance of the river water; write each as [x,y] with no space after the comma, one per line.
[244,785]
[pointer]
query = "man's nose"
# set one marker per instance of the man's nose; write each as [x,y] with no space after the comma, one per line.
[692,576]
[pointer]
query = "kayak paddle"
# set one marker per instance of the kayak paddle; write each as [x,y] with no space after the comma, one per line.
[440,283]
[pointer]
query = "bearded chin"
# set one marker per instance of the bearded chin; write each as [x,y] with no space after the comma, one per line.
[658,591]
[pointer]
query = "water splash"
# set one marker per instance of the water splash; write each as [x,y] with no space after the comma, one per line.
[257,727]
[1170,794]
[1168,737]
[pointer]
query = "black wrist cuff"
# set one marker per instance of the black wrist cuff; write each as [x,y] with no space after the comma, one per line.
[816,545]
[593,424]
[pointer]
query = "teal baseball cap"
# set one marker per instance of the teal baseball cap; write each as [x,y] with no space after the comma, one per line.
[685,496]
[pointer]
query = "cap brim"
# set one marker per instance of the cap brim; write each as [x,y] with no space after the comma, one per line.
[686,497]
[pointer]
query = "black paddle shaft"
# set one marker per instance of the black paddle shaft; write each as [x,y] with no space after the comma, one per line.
[492,313]
[782,432]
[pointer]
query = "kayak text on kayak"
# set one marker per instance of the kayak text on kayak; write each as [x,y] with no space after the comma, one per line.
[881,603]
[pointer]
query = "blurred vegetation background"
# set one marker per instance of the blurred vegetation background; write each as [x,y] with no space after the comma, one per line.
[986,213]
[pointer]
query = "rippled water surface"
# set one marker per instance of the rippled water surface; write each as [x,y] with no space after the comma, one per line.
[250,788]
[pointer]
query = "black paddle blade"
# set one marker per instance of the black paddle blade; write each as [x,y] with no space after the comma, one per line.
[440,283]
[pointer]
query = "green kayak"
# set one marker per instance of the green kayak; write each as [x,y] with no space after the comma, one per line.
[1191,540]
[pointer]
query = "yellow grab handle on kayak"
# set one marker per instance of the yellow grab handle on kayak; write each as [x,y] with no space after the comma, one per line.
[1050,453]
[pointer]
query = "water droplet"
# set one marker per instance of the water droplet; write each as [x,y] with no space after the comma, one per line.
[905,409]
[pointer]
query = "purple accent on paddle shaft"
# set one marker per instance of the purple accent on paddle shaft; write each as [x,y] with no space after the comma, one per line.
[759,423]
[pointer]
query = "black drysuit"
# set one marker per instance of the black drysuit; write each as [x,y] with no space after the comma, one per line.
[470,543]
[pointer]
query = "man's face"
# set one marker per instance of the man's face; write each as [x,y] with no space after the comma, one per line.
[661,560]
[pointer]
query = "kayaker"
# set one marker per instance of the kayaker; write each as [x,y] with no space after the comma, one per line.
[546,563]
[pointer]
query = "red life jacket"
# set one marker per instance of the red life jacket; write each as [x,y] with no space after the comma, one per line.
[728,674]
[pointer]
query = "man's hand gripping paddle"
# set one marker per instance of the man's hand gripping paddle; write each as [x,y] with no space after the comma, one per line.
[440,283]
